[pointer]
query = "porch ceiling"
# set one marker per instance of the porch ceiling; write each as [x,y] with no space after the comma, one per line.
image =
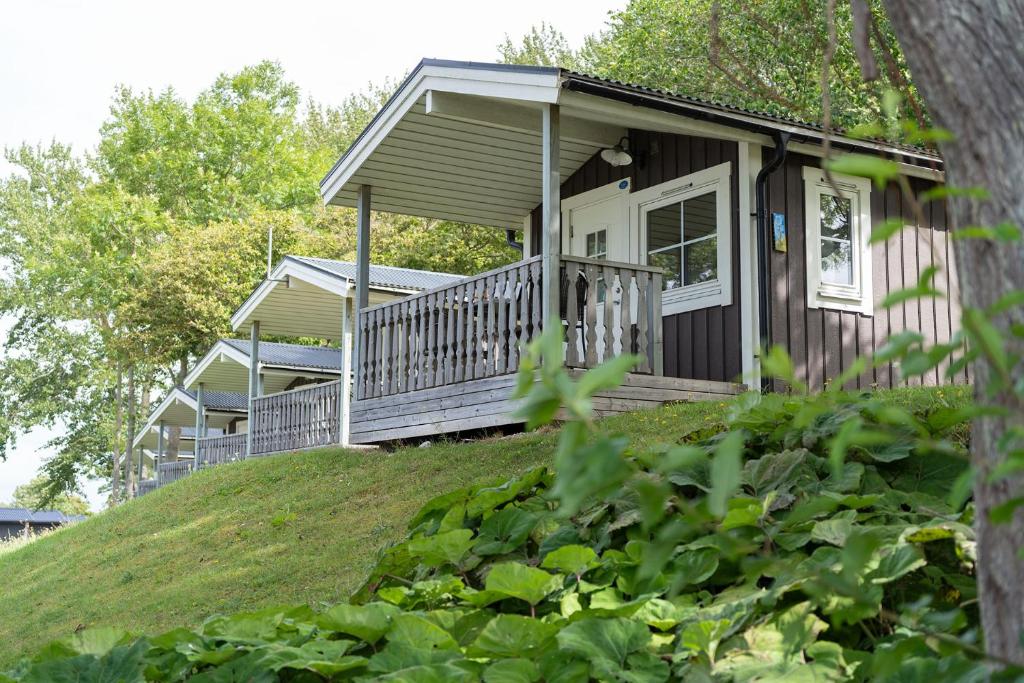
[468,158]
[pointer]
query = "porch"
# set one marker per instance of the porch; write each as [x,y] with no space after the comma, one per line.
[444,361]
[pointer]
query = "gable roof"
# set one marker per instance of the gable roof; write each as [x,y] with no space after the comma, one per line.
[291,355]
[382,276]
[461,141]
[304,296]
[24,515]
[178,409]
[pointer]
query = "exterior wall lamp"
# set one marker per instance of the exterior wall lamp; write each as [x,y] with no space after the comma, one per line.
[619,154]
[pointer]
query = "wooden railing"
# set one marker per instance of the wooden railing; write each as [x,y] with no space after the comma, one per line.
[147,485]
[610,309]
[217,450]
[469,330]
[173,471]
[479,326]
[296,419]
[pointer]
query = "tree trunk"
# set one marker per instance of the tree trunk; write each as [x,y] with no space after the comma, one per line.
[174,431]
[115,468]
[144,399]
[967,59]
[129,486]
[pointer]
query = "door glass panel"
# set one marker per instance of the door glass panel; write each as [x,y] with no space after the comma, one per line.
[597,244]
[700,216]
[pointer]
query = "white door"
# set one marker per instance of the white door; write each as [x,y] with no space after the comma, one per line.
[595,224]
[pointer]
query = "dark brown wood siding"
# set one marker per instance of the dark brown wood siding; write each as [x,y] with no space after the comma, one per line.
[702,344]
[822,342]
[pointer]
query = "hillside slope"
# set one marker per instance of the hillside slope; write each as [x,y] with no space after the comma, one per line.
[285,529]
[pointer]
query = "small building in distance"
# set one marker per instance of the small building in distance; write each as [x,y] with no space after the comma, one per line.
[16,521]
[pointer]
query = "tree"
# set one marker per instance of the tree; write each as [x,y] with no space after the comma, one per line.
[765,56]
[542,46]
[33,496]
[976,92]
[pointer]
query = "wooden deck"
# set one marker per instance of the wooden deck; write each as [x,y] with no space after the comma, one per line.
[445,361]
[487,403]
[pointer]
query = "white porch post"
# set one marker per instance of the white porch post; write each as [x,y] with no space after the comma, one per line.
[345,385]
[142,453]
[551,241]
[200,424]
[362,269]
[159,450]
[254,381]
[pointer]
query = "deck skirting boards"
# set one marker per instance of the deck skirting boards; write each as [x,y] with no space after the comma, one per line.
[487,403]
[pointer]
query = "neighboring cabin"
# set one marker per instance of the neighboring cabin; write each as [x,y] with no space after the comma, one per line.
[18,521]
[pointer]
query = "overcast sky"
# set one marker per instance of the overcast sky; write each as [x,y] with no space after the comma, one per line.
[60,61]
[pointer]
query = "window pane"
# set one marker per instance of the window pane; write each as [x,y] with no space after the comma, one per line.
[664,226]
[835,217]
[597,244]
[836,261]
[701,261]
[670,261]
[700,216]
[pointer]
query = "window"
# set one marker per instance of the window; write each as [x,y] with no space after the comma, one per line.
[686,230]
[838,251]
[597,244]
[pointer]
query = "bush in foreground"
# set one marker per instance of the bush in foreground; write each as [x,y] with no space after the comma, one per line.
[805,539]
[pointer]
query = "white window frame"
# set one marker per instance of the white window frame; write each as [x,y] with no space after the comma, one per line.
[856,297]
[716,292]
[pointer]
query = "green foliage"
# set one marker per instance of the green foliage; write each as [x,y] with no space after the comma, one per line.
[34,496]
[765,56]
[783,543]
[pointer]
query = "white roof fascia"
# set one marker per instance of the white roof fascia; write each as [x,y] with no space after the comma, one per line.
[219,349]
[541,87]
[290,268]
[176,395]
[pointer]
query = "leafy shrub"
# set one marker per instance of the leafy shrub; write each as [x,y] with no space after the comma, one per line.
[808,538]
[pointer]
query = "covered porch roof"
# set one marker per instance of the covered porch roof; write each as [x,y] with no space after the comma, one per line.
[461,141]
[302,297]
[178,409]
[226,366]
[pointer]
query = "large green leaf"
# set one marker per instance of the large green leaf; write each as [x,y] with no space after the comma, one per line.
[515,580]
[605,643]
[121,664]
[504,531]
[449,547]
[512,635]
[570,559]
[366,622]
[512,671]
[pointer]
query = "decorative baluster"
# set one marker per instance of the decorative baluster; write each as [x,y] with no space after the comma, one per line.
[609,313]
[572,314]
[643,320]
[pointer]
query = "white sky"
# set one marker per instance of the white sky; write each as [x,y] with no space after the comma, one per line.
[60,61]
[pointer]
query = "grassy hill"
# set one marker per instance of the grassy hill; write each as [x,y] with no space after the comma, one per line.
[278,530]
[284,529]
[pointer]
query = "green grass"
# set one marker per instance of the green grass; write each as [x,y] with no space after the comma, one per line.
[297,528]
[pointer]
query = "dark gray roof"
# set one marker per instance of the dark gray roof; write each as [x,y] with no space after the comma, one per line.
[292,355]
[23,515]
[382,276]
[225,400]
